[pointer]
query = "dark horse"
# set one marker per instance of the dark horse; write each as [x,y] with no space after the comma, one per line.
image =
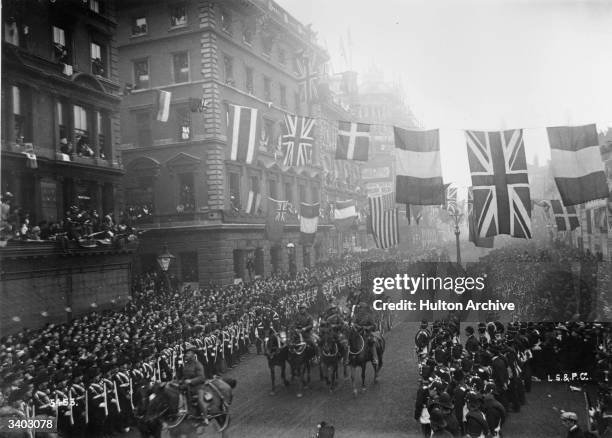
[299,357]
[275,349]
[360,353]
[331,356]
[158,409]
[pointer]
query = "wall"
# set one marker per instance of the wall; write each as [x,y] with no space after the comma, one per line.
[30,286]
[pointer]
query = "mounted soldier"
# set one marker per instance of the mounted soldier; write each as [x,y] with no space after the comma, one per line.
[193,378]
[364,321]
[335,322]
[303,324]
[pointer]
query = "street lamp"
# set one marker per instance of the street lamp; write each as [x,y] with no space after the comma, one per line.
[291,257]
[456,215]
[164,260]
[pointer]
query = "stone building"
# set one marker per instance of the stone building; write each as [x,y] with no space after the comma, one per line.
[60,127]
[180,184]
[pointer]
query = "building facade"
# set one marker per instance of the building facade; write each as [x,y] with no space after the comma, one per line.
[181,185]
[60,128]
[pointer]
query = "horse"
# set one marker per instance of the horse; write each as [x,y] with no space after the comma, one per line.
[330,357]
[299,356]
[158,411]
[275,349]
[360,354]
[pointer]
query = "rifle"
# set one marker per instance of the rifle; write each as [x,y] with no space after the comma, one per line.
[105,403]
[116,396]
[131,394]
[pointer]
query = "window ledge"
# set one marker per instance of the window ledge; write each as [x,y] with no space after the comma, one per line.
[175,28]
[140,35]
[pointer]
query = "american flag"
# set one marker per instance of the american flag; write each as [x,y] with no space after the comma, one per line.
[502,203]
[451,199]
[308,70]
[384,220]
[298,140]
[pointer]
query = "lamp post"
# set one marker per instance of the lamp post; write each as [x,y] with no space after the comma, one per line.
[456,215]
[291,258]
[164,260]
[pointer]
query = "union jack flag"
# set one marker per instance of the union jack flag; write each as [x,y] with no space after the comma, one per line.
[451,199]
[281,210]
[298,140]
[502,203]
[307,67]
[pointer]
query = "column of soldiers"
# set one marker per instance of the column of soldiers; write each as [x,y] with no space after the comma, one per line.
[469,389]
[95,398]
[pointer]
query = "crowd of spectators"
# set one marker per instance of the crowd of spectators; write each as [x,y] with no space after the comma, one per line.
[79,224]
[553,283]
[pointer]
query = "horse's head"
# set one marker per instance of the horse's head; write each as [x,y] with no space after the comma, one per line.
[294,337]
[274,342]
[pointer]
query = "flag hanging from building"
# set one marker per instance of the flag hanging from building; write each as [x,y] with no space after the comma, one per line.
[242,133]
[163,105]
[253,202]
[565,217]
[353,141]
[418,171]
[307,67]
[384,220]
[451,199]
[309,220]
[500,184]
[298,140]
[277,216]
[345,213]
[482,242]
[577,165]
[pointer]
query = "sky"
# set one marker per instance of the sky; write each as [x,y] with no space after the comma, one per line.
[478,64]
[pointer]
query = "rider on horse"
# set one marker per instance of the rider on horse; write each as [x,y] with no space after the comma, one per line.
[193,376]
[364,321]
[334,321]
[303,324]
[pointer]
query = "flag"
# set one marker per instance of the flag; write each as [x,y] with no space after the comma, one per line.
[344,213]
[418,171]
[31,162]
[566,217]
[163,105]
[384,219]
[307,69]
[577,165]
[482,242]
[298,140]
[500,184]
[309,220]
[242,133]
[277,216]
[451,199]
[253,201]
[353,141]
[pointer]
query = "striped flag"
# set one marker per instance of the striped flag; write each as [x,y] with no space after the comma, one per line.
[418,170]
[502,203]
[383,214]
[298,140]
[163,105]
[353,141]
[344,213]
[577,165]
[309,220]
[253,202]
[565,217]
[242,133]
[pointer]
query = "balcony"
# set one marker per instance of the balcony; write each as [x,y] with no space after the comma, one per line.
[14,249]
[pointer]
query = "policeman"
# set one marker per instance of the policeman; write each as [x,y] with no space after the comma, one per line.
[193,377]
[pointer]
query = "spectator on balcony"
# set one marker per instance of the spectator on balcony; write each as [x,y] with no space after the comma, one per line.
[66,147]
[83,149]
